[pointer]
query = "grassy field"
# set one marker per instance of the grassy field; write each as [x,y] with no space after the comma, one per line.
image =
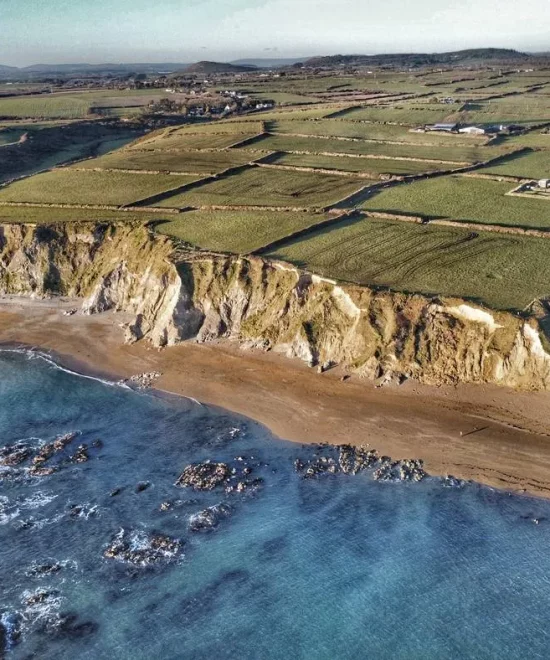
[236,231]
[46,106]
[534,165]
[413,114]
[517,109]
[69,186]
[503,271]
[373,166]
[291,114]
[235,126]
[193,141]
[531,139]
[196,162]
[76,105]
[47,215]
[266,187]
[459,154]
[391,132]
[285,98]
[462,198]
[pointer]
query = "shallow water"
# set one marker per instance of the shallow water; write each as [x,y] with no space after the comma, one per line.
[335,567]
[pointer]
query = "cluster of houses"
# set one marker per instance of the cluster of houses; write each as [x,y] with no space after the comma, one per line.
[472,129]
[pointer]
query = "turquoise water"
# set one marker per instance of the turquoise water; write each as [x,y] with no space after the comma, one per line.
[339,566]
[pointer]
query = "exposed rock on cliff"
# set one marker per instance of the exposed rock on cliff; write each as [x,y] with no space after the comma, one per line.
[177,295]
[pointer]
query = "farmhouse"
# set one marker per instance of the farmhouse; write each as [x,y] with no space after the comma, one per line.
[447,128]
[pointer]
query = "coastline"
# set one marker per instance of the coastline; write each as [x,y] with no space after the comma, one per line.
[492,435]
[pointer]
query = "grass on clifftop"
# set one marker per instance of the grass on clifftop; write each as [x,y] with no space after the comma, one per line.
[70,186]
[48,215]
[465,199]
[236,231]
[502,271]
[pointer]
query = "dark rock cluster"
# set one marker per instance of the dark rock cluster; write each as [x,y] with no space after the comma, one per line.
[14,455]
[142,549]
[23,458]
[346,459]
[204,476]
[234,477]
[408,469]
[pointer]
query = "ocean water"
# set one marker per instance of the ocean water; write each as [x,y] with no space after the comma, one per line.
[339,566]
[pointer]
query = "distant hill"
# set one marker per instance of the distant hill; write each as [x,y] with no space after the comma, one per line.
[108,67]
[421,59]
[83,69]
[268,63]
[7,69]
[217,67]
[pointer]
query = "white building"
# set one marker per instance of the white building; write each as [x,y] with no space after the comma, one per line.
[472,130]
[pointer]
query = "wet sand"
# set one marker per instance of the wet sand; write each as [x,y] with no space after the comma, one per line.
[493,435]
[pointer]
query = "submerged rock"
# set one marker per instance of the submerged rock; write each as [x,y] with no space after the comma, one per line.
[81,455]
[10,631]
[41,570]
[208,518]
[39,597]
[68,626]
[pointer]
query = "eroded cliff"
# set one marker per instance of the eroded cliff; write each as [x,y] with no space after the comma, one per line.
[176,294]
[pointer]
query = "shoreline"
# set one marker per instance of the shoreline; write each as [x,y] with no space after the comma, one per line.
[492,435]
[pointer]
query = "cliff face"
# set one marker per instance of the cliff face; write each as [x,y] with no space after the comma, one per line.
[176,296]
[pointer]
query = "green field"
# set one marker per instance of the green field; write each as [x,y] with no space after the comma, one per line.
[412,114]
[462,198]
[390,132]
[372,166]
[234,126]
[293,114]
[188,140]
[267,187]
[47,215]
[285,98]
[316,145]
[69,186]
[533,139]
[78,104]
[503,271]
[236,231]
[46,106]
[516,109]
[534,165]
[195,162]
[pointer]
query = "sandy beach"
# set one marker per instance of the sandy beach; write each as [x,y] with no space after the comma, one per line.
[493,435]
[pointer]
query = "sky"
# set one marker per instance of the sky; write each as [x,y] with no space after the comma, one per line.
[56,31]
